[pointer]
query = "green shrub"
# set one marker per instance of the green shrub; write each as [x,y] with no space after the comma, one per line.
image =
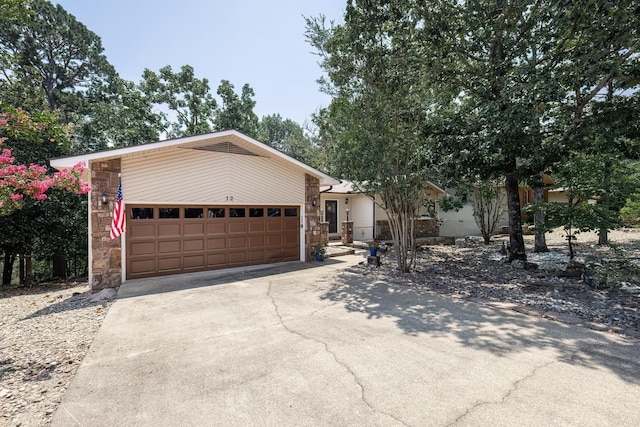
[630,213]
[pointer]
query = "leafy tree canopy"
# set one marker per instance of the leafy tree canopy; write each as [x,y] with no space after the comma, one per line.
[56,51]
[186,95]
[236,112]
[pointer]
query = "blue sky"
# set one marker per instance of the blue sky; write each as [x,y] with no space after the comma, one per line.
[257,42]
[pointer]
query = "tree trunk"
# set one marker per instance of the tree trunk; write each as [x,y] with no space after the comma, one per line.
[603,236]
[516,240]
[7,269]
[21,265]
[28,270]
[570,240]
[59,266]
[540,243]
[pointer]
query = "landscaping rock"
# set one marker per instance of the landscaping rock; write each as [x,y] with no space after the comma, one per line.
[104,295]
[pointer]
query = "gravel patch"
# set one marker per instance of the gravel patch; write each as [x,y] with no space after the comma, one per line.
[44,335]
[472,271]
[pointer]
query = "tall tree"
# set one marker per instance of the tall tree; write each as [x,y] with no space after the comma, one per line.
[186,95]
[372,126]
[117,114]
[525,73]
[288,137]
[56,52]
[236,112]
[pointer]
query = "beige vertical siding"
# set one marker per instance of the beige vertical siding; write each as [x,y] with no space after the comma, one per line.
[362,215]
[181,175]
[557,197]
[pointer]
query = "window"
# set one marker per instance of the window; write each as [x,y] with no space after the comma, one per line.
[169,213]
[256,212]
[193,212]
[216,212]
[274,212]
[291,212]
[236,212]
[142,213]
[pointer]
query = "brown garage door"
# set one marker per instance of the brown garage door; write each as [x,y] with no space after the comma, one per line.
[165,240]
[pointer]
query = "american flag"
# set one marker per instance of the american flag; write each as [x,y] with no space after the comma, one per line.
[118,225]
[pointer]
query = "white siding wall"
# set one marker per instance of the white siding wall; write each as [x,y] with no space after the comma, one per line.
[361,212]
[459,224]
[190,176]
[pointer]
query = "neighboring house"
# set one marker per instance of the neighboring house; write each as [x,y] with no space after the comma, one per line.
[343,202]
[462,223]
[199,203]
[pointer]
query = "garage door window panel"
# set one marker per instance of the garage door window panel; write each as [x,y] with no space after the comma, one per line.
[169,213]
[256,212]
[237,212]
[193,213]
[142,213]
[216,212]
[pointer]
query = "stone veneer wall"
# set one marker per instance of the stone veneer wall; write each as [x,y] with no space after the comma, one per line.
[313,227]
[324,233]
[346,232]
[106,260]
[423,228]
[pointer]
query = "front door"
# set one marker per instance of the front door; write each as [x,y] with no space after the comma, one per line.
[331,215]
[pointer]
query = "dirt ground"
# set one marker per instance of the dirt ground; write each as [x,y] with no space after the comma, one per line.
[472,271]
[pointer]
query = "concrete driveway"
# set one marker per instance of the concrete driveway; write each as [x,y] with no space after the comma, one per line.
[317,344]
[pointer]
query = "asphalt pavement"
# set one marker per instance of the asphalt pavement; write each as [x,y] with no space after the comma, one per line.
[312,344]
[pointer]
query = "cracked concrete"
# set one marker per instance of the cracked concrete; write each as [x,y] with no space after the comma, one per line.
[333,355]
[253,349]
[514,387]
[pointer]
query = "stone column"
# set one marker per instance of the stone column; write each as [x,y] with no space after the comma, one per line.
[106,254]
[346,233]
[313,236]
[324,233]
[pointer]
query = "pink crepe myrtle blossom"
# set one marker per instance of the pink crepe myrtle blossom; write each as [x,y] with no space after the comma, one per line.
[18,181]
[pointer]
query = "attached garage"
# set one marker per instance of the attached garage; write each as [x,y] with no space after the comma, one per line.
[174,239]
[199,203]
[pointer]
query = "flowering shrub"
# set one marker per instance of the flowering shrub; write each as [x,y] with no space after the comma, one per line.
[18,181]
[37,136]
[375,244]
[319,250]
